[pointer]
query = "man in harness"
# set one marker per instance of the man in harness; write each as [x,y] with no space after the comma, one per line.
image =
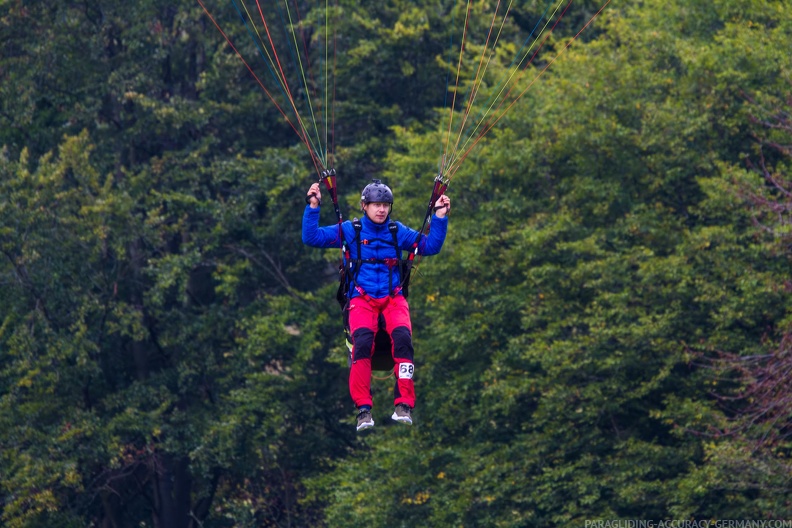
[375,287]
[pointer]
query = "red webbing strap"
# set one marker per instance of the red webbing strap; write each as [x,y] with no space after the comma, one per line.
[329,178]
[438,190]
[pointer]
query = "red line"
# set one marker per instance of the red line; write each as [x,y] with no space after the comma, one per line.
[275,53]
[489,126]
[305,47]
[308,66]
[456,85]
[519,76]
[228,40]
[332,118]
[458,163]
[286,85]
[476,86]
[530,61]
[261,84]
[283,77]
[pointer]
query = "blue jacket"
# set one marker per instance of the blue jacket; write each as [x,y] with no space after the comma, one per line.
[376,243]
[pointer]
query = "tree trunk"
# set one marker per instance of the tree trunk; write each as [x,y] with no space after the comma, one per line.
[172,493]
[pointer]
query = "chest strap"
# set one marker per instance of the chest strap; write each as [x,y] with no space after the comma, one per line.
[390,262]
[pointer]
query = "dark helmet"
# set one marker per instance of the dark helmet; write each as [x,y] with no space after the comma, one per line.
[376,191]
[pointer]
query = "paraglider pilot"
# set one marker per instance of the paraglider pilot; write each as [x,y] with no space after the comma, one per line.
[375,287]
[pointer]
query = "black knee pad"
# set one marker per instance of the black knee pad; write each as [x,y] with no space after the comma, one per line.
[363,341]
[402,343]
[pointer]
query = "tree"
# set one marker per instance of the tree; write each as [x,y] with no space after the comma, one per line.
[753,388]
[127,343]
[595,243]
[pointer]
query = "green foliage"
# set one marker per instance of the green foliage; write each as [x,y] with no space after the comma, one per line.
[170,354]
[598,244]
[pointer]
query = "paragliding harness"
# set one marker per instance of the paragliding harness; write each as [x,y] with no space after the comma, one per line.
[381,358]
[405,265]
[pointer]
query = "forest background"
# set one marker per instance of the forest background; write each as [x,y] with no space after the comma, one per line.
[606,333]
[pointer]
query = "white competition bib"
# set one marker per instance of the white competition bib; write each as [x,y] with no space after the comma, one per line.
[406,370]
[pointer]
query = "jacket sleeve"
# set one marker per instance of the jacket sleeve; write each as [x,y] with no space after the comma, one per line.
[315,236]
[430,244]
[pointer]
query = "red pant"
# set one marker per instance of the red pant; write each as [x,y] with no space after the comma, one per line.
[363,324]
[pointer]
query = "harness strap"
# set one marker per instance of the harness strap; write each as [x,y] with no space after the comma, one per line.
[393,227]
[394,230]
[354,267]
[439,189]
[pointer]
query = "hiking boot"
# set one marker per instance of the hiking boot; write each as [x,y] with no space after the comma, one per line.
[364,419]
[402,413]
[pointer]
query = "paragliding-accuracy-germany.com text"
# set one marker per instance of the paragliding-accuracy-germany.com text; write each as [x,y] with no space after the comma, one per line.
[687,523]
